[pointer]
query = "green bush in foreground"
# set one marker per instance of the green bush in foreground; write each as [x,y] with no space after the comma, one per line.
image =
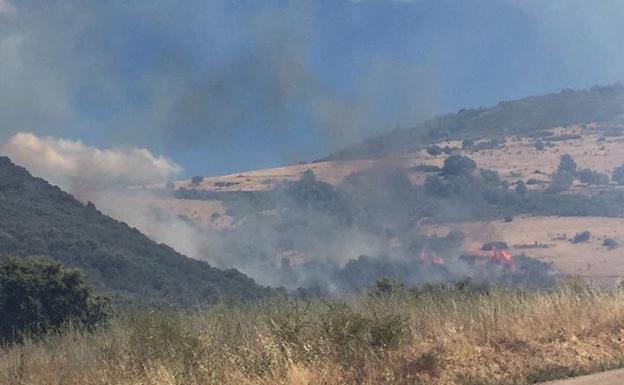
[38,296]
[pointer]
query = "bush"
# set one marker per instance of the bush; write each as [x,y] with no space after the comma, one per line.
[458,165]
[38,296]
[434,150]
[561,181]
[592,177]
[467,144]
[521,188]
[567,164]
[610,243]
[618,175]
[581,237]
[386,287]
[197,180]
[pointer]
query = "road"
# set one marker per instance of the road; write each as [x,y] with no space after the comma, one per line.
[614,377]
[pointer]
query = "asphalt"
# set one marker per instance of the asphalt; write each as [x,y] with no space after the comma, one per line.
[614,377]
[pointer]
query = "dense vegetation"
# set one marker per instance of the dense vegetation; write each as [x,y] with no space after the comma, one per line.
[39,219]
[441,335]
[39,296]
[528,116]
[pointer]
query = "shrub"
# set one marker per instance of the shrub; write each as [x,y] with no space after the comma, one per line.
[521,188]
[458,165]
[467,144]
[567,164]
[386,287]
[618,175]
[38,296]
[561,181]
[197,180]
[610,243]
[434,150]
[581,237]
[592,177]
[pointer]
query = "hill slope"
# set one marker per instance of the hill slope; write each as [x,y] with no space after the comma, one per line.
[528,116]
[37,218]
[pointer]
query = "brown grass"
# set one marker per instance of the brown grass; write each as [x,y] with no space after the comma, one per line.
[437,337]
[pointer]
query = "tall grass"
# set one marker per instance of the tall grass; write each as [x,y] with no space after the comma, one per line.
[436,336]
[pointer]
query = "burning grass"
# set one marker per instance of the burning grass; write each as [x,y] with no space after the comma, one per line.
[462,335]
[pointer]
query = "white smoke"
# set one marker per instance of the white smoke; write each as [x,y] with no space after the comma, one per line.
[73,164]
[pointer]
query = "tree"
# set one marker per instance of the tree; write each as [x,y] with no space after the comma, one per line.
[467,144]
[567,164]
[592,177]
[581,237]
[458,165]
[521,188]
[197,180]
[434,150]
[618,175]
[561,181]
[38,296]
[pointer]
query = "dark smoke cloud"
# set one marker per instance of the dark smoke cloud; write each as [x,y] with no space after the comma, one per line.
[135,72]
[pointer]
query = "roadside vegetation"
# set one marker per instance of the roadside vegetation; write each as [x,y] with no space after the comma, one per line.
[459,334]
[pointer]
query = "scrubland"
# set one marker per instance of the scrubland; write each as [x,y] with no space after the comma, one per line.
[464,335]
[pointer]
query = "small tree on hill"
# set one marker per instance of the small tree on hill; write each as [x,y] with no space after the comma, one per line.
[434,150]
[38,296]
[567,164]
[458,165]
[618,175]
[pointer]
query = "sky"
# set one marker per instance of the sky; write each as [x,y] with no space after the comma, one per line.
[215,87]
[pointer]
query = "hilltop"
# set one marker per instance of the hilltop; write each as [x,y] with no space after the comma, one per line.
[529,116]
[37,218]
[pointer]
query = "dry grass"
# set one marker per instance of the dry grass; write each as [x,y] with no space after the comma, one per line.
[437,337]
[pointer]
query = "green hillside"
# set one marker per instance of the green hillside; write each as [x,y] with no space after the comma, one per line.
[37,218]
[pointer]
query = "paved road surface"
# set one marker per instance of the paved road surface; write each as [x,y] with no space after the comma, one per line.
[614,377]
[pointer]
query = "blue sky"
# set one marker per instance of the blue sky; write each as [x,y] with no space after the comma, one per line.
[223,86]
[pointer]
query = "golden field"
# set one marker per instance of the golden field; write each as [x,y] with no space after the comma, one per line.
[467,336]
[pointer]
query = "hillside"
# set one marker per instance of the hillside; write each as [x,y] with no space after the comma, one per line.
[37,218]
[389,205]
[528,116]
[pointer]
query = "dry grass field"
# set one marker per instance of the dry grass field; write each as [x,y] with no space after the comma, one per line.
[550,239]
[437,337]
[516,159]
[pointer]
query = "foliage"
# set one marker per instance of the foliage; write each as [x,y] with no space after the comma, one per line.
[39,296]
[581,237]
[592,177]
[456,165]
[561,181]
[618,175]
[427,336]
[610,243]
[521,188]
[567,164]
[533,115]
[39,219]
[434,150]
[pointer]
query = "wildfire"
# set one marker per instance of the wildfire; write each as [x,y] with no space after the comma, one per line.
[503,257]
[430,259]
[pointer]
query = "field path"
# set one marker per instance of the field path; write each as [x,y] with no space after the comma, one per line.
[613,377]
